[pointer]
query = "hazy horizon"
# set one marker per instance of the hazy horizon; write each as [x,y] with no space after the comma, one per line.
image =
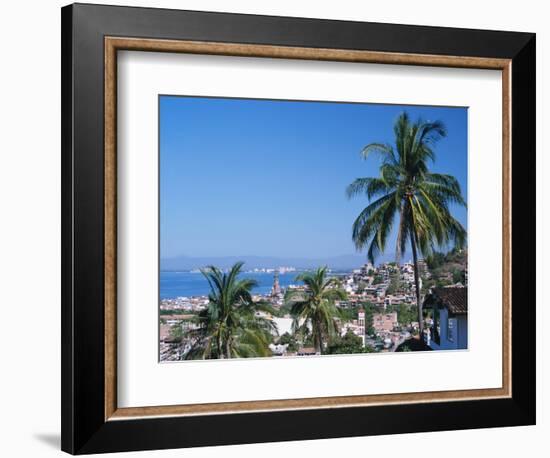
[344,261]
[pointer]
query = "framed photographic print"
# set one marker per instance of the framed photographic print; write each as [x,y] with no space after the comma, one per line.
[281,228]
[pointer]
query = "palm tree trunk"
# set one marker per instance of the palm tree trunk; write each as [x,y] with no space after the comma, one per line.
[318,345]
[318,340]
[227,349]
[417,284]
[219,346]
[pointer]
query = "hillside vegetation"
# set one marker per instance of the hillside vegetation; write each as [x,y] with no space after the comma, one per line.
[445,269]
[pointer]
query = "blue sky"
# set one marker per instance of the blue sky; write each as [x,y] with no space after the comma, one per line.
[268,178]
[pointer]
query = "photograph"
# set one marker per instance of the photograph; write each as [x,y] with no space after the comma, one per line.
[283,226]
[296,228]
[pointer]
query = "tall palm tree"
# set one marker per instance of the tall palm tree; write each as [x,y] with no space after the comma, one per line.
[314,306]
[407,191]
[230,326]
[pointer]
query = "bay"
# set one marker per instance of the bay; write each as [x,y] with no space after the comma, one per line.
[187,284]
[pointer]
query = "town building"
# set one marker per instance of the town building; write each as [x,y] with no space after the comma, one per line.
[384,322]
[356,326]
[361,324]
[449,328]
[307,351]
[170,347]
[276,289]
[422,266]
[278,349]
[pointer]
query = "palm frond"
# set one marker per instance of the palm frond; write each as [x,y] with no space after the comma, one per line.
[374,224]
[384,150]
[370,187]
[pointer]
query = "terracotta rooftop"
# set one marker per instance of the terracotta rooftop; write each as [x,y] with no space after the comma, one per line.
[306,351]
[455,299]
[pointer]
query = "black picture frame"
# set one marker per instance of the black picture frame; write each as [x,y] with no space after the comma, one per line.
[84,429]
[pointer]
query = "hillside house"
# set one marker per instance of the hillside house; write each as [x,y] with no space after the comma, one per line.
[449,329]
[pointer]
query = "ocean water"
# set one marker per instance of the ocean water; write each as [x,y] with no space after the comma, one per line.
[178,284]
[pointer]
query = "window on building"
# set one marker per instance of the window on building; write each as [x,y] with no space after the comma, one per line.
[451,329]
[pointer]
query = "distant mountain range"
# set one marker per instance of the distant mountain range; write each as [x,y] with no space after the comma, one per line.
[351,261]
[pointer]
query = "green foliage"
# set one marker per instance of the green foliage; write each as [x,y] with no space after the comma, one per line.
[396,284]
[176,332]
[405,313]
[306,338]
[458,276]
[315,305]
[347,314]
[177,312]
[348,344]
[290,341]
[447,268]
[435,260]
[361,286]
[407,188]
[427,284]
[377,279]
[229,327]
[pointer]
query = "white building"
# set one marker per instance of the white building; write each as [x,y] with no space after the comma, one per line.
[284,324]
[278,349]
[355,326]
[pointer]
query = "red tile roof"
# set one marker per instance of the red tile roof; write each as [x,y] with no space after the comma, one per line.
[455,299]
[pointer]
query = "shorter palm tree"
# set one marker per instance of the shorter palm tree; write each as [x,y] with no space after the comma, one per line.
[314,306]
[232,325]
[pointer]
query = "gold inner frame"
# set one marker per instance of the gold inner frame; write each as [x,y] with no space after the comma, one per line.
[114,44]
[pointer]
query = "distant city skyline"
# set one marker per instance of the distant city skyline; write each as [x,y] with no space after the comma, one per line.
[243,177]
[346,262]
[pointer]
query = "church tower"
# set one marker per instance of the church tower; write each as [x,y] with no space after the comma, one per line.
[276,289]
[361,324]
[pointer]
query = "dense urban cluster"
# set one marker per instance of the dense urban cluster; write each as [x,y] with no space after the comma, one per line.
[375,311]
